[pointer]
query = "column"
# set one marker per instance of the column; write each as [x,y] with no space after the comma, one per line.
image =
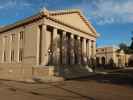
[94,48]
[89,49]
[72,53]
[79,50]
[92,51]
[3,48]
[84,46]
[64,48]
[84,59]
[38,61]
[55,49]
[58,49]
[45,46]
[68,48]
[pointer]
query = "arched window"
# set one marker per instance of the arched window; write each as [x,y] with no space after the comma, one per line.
[103,60]
[97,60]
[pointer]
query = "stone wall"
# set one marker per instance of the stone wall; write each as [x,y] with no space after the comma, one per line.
[24,72]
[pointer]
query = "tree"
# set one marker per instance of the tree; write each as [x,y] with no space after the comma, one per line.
[111,63]
[124,47]
[131,46]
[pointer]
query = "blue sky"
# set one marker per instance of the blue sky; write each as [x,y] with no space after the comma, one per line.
[113,19]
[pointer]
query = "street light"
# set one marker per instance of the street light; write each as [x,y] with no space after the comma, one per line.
[50,52]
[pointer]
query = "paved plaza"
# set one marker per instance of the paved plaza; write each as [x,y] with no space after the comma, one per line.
[91,88]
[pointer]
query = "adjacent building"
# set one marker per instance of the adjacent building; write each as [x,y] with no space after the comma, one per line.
[41,44]
[107,55]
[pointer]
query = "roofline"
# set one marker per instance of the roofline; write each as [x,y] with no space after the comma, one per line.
[64,11]
[41,15]
[53,19]
[107,47]
[81,14]
[22,22]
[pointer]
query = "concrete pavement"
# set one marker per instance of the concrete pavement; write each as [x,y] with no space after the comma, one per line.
[80,89]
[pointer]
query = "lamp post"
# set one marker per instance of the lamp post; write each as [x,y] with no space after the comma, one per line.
[50,52]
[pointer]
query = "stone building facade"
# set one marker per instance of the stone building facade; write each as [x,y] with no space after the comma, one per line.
[105,55]
[35,45]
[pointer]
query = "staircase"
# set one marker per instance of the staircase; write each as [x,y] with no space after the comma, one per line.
[75,71]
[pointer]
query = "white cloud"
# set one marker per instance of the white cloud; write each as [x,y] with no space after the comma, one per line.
[14,3]
[26,4]
[7,4]
[113,11]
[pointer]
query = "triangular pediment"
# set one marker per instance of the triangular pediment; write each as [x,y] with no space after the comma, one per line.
[75,19]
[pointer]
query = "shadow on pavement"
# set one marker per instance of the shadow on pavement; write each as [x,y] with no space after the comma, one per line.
[120,78]
[73,95]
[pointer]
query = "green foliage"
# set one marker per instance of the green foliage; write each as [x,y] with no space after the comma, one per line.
[131,46]
[111,63]
[125,48]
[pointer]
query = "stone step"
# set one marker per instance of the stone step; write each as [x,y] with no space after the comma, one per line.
[76,71]
[48,79]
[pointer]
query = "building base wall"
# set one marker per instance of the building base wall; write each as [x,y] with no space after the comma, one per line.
[24,72]
[31,73]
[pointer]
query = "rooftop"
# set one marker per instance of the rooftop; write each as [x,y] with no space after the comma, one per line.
[48,14]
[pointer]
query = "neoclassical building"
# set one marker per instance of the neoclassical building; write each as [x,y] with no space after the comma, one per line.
[105,55]
[35,45]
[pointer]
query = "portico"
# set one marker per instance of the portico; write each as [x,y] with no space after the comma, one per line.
[65,47]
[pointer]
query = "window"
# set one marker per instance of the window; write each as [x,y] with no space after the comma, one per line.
[13,37]
[103,61]
[4,56]
[12,55]
[21,35]
[102,49]
[20,54]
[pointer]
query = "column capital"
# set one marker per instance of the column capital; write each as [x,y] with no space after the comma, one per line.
[64,32]
[54,31]
[54,28]
[44,24]
[93,40]
[78,37]
[44,27]
[87,40]
[84,39]
[72,35]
